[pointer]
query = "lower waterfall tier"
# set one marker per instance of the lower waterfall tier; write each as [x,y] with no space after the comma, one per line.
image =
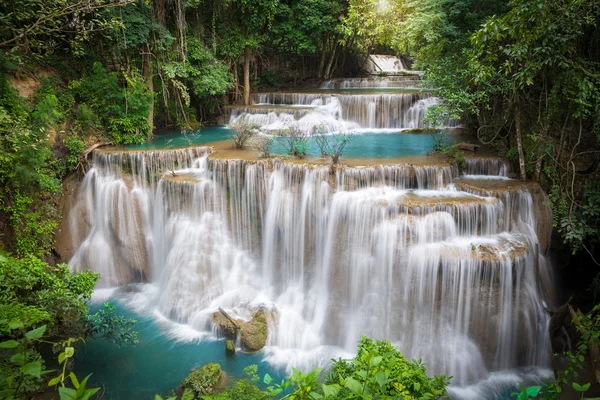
[445,268]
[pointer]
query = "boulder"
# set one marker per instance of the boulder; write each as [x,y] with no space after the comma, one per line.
[254,332]
[225,326]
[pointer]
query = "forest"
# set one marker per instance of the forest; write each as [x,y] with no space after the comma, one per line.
[522,76]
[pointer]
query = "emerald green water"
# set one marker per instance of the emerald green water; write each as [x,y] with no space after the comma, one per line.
[364,144]
[157,364]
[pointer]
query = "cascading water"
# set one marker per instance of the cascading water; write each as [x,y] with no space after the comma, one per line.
[343,105]
[445,268]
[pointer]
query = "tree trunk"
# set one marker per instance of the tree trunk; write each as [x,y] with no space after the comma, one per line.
[330,63]
[148,78]
[520,140]
[323,57]
[246,76]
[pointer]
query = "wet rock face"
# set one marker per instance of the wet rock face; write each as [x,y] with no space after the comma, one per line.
[74,220]
[224,326]
[254,332]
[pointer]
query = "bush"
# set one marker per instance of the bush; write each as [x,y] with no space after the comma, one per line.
[297,141]
[241,133]
[204,380]
[263,146]
[75,147]
[121,102]
[34,292]
[380,370]
[331,145]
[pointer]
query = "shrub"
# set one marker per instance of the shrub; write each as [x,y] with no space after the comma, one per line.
[263,146]
[380,370]
[241,133]
[296,141]
[75,147]
[331,145]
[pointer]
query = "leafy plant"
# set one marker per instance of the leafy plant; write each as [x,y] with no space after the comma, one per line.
[263,145]
[331,145]
[296,141]
[107,324]
[241,133]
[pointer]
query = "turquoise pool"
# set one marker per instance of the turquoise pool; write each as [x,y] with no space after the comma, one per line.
[157,364]
[364,144]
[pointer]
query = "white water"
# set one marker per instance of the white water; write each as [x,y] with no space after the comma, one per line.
[379,63]
[393,252]
[333,113]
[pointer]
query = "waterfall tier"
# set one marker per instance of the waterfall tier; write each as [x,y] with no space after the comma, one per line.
[403,81]
[344,105]
[444,267]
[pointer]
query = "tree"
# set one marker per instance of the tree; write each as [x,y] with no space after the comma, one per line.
[247,23]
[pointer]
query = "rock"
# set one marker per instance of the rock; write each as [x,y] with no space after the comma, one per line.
[254,332]
[467,146]
[206,380]
[224,326]
[74,219]
[229,348]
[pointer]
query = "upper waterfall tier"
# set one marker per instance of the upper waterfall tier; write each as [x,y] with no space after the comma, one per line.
[338,112]
[444,267]
[402,81]
[343,105]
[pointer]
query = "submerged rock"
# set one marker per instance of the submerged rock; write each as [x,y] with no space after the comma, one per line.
[254,332]
[206,380]
[229,348]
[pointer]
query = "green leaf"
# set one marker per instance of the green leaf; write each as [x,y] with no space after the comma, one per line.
[75,382]
[9,344]
[69,351]
[15,324]
[55,381]
[353,385]
[18,358]
[533,391]
[331,390]
[267,379]
[36,333]
[66,393]
[381,378]
[33,368]
[375,361]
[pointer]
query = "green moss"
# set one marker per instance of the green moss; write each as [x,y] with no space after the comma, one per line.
[204,380]
[229,348]
[254,332]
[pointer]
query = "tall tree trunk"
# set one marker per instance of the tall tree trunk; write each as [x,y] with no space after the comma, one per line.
[148,78]
[520,139]
[323,57]
[330,63]
[246,76]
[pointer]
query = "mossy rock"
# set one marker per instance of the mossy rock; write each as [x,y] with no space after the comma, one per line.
[229,348]
[254,332]
[224,326]
[205,380]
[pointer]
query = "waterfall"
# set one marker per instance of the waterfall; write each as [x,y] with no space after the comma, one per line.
[444,267]
[338,112]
